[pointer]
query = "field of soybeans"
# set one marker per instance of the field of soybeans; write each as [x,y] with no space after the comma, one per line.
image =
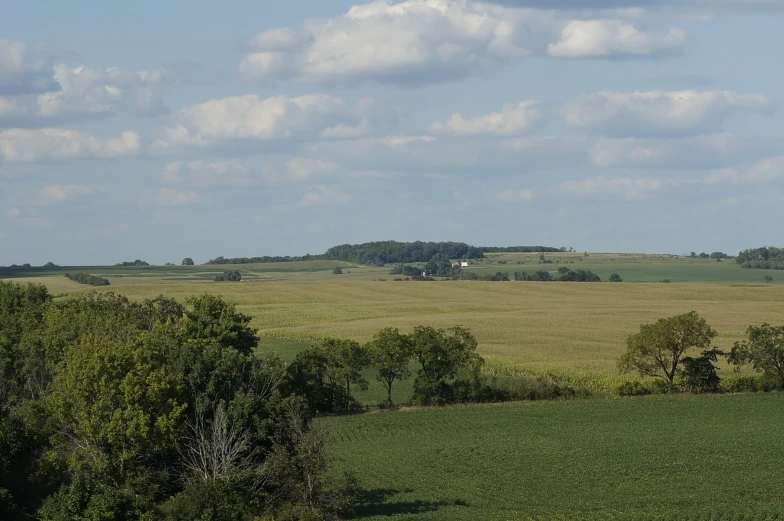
[653,458]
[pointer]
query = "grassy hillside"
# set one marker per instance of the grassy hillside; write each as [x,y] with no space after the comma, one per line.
[699,458]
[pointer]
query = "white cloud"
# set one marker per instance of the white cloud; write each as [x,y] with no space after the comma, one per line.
[100,90]
[320,195]
[39,92]
[54,144]
[514,119]
[768,169]
[704,151]
[168,197]
[659,112]
[28,218]
[708,7]
[417,42]
[428,154]
[57,193]
[627,188]
[512,195]
[754,198]
[606,38]
[10,107]
[24,68]
[234,171]
[305,168]
[251,119]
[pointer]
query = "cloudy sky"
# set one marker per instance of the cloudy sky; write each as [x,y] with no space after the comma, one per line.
[159,130]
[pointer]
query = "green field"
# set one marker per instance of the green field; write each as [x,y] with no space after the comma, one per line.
[571,330]
[656,458]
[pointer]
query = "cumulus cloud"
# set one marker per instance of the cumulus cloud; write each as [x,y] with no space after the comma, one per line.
[233,171]
[754,198]
[168,197]
[513,119]
[704,151]
[675,113]
[252,119]
[512,195]
[25,68]
[768,169]
[54,144]
[704,6]
[305,168]
[320,195]
[100,90]
[418,42]
[627,188]
[57,193]
[36,91]
[607,38]
[457,154]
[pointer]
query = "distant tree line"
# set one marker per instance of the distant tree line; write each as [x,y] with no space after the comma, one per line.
[137,262]
[717,255]
[441,266]
[765,258]
[263,260]
[27,265]
[390,252]
[521,249]
[86,278]
[446,369]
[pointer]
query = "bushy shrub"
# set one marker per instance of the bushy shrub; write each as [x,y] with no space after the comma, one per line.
[86,278]
[229,276]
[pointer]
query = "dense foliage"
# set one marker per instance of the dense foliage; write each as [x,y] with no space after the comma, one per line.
[229,276]
[521,249]
[564,275]
[263,260]
[391,252]
[386,252]
[86,278]
[137,262]
[766,258]
[111,409]
[764,350]
[658,350]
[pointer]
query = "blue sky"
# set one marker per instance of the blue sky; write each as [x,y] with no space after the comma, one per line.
[160,130]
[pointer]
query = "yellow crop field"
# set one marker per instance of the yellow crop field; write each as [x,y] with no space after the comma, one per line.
[572,327]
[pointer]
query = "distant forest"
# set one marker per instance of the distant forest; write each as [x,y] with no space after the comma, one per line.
[392,252]
[765,258]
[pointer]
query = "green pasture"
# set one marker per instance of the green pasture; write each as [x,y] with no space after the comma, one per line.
[654,458]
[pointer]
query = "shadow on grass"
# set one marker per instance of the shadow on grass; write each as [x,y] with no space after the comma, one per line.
[377,502]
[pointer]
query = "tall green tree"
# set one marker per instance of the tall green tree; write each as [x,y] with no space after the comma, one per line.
[391,353]
[209,317]
[447,358]
[764,350]
[658,348]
